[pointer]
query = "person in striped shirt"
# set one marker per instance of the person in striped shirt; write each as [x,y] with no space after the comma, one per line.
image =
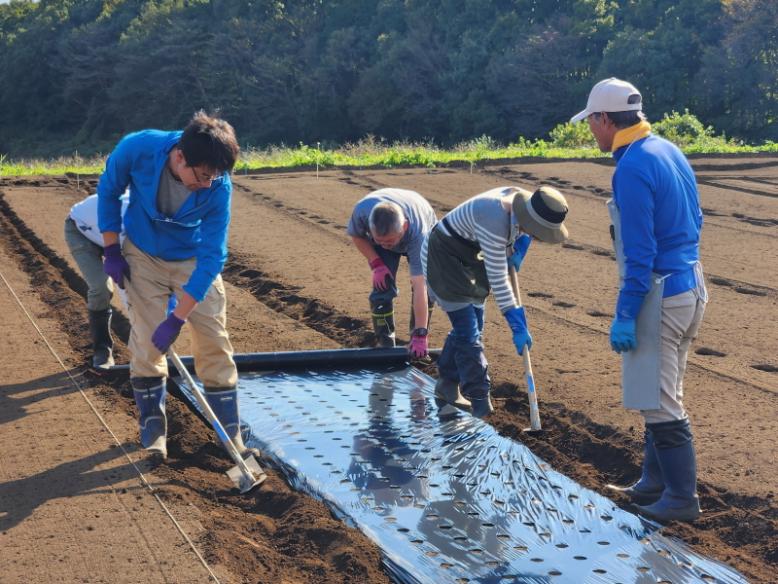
[465,257]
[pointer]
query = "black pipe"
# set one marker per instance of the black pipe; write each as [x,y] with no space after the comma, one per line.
[329,358]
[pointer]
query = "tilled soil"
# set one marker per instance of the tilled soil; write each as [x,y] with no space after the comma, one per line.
[295,282]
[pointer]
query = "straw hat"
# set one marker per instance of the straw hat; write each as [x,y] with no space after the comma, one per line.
[542,214]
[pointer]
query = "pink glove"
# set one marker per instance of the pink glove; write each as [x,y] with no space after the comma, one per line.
[380,274]
[418,347]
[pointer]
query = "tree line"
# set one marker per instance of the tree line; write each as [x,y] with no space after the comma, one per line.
[76,74]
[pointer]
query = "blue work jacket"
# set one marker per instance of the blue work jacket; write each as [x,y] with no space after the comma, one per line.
[197,230]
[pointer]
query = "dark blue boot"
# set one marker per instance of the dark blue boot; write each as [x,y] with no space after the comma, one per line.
[150,393]
[468,356]
[481,405]
[447,386]
[224,403]
[650,486]
[675,454]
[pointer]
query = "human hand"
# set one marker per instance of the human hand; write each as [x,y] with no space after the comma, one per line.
[520,247]
[517,320]
[623,335]
[114,264]
[381,274]
[418,347]
[167,333]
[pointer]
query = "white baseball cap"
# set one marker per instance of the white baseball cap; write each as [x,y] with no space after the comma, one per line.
[611,95]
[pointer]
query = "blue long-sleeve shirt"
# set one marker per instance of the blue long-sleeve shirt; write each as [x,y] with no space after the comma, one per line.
[656,193]
[197,230]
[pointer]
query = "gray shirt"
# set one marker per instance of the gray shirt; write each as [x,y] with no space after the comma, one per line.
[419,213]
[171,194]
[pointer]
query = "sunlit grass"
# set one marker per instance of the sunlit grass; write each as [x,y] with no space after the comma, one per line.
[59,166]
[371,152]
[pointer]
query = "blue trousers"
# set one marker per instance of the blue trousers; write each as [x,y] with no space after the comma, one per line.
[463,359]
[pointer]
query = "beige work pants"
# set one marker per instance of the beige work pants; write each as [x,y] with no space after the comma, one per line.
[151,282]
[681,318]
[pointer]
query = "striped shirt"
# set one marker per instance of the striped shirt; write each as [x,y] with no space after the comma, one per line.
[483,219]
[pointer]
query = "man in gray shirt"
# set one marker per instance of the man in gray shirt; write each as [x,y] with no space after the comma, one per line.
[386,224]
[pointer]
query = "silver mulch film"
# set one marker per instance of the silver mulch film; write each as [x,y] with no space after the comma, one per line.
[445,497]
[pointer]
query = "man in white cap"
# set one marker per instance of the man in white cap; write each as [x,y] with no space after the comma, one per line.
[86,244]
[656,223]
[466,255]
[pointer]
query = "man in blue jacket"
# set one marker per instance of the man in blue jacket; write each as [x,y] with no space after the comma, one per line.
[656,223]
[176,243]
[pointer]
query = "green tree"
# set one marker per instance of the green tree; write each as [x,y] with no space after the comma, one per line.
[738,82]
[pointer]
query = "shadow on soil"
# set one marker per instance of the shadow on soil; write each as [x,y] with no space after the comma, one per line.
[20,498]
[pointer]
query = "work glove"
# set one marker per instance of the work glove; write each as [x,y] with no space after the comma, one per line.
[418,346]
[517,320]
[115,265]
[623,336]
[520,247]
[167,332]
[380,274]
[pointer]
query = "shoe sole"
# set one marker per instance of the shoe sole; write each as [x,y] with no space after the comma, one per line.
[689,518]
[441,401]
[634,497]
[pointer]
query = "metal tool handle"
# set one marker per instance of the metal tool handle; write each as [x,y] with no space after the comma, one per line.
[534,410]
[214,421]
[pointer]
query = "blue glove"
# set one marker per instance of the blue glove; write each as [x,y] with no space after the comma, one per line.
[520,247]
[623,336]
[517,320]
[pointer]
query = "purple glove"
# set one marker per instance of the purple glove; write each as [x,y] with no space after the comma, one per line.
[418,346]
[115,265]
[380,274]
[167,332]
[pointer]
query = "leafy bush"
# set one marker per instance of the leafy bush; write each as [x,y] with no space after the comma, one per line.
[686,130]
[569,135]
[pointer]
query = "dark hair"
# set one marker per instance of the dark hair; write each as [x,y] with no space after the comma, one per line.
[209,141]
[624,119]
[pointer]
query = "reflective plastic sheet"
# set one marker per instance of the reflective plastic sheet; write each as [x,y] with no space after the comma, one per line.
[445,497]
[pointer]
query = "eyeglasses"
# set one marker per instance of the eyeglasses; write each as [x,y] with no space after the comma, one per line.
[203,178]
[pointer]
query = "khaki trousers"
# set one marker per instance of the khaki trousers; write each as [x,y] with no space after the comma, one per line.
[681,318]
[152,281]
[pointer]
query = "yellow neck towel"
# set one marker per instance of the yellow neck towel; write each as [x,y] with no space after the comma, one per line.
[631,134]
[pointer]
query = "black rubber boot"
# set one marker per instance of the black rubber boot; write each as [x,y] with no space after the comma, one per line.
[102,343]
[383,323]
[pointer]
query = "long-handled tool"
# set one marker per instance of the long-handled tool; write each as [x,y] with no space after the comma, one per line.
[246,474]
[534,412]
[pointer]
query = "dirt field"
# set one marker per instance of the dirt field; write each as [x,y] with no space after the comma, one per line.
[295,282]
